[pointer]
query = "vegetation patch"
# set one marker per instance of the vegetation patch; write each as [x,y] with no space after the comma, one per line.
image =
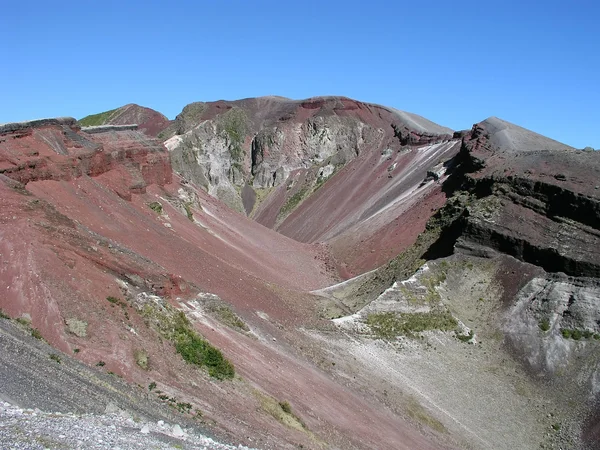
[156,207]
[36,333]
[544,325]
[389,325]
[465,337]
[77,327]
[282,411]
[95,120]
[407,262]
[175,326]
[3,315]
[578,334]
[55,357]
[141,358]
[226,316]
[233,124]
[293,201]
[420,414]
[188,211]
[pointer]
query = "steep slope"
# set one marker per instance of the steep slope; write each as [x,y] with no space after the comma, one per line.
[473,321]
[515,275]
[327,169]
[148,121]
[101,246]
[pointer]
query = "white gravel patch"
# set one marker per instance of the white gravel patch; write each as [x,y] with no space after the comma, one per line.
[34,429]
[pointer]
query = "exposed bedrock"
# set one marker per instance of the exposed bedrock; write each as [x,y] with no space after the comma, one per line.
[223,146]
[57,149]
[538,204]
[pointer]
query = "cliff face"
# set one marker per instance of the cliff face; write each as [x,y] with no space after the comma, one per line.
[323,170]
[59,150]
[539,203]
[260,142]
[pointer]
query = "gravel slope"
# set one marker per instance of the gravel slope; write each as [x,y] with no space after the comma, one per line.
[49,404]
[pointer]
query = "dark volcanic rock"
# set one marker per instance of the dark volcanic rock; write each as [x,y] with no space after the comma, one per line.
[535,198]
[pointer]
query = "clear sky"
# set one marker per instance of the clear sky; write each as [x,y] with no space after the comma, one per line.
[533,63]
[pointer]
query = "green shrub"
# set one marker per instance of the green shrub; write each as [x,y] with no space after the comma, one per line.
[36,333]
[175,326]
[100,364]
[55,357]
[286,407]
[566,333]
[156,207]
[114,300]
[151,386]
[576,334]
[544,325]
[465,337]
[188,211]
[389,325]
[184,407]
[198,351]
[3,315]
[141,358]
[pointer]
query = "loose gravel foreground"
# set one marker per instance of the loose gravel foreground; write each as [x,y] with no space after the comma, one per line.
[83,408]
[33,429]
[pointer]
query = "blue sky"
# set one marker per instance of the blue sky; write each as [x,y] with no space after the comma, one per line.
[536,64]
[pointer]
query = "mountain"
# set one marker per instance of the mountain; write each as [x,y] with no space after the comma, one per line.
[323,273]
[149,121]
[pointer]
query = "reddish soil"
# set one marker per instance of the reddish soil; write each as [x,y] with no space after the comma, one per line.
[81,222]
[149,121]
[363,208]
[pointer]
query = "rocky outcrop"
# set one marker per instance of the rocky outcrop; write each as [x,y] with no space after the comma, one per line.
[57,149]
[105,128]
[540,204]
[223,146]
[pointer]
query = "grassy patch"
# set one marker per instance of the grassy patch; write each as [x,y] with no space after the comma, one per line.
[544,325]
[578,334]
[156,207]
[292,202]
[3,315]
[94,120]
[285,407]
[77,327]
[389,325]
[175,326]
[233,124]
[188,211]
[226,316]
[36,333]
[465,337]
[282,411]
[420,414]
[141,358]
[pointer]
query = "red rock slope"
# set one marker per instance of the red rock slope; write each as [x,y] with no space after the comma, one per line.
[90,215]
